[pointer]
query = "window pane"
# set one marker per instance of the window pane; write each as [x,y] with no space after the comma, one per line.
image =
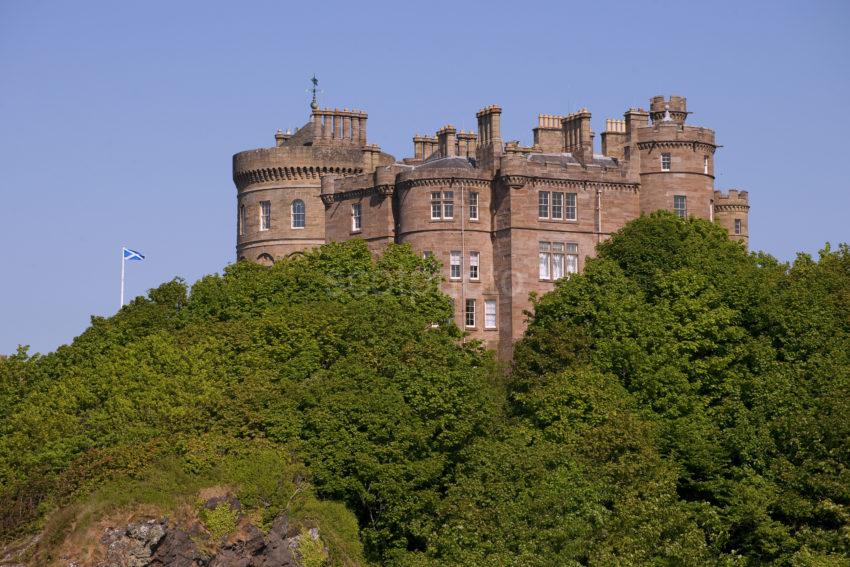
[737,226]
[557,266]
[544,266]
[470,312]
[680,205]
[448,204]
[473,206]
[454,272]
[543,204]
[490,314]
[265,215]
[473,265]
[298,213]
[571,206]
[436,205]
[665,162]
[557,205]
[572,263]
[356,212]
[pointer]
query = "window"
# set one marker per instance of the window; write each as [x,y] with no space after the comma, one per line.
[737,226]
[298,214]
[265,215]
[473,205]
[470,313]
[545,259]
[665,162]
[427,254]
[241,220]
[572,258]
[557,260]
[571,206]
[705,164]
[356,212]
[436,206]
[489,313]
[448,204]
[473,265]
[543,204]
[680,206]
[442,205]
[454,265]
[557,205]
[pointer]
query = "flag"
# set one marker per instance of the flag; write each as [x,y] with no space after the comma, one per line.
[132,255]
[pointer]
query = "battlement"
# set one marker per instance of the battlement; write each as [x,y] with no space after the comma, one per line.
[731,197]
[674,109]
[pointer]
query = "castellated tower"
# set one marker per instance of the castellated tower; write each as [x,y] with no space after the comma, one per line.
[732,212]
[279,210]
[675,162]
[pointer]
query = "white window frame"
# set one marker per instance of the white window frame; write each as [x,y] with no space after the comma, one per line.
[455,265]
[571,258]
[469,314]
[666,161]
[544,261]
[571,206]
[356,217]
[543,204]
[681,212]
[490,320]
[265,215]
[557,205]
[474,272]
[294,216]
[473,205]
[448,205]
[436,205]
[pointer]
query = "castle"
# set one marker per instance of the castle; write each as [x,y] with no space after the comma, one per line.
[504,220]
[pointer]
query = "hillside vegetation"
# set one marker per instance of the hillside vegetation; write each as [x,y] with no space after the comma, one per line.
[681,402]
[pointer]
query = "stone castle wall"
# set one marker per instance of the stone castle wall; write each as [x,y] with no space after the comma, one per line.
[329,165]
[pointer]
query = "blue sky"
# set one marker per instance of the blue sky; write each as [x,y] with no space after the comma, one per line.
[118,120]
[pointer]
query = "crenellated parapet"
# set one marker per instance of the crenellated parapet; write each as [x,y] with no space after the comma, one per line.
[731,200]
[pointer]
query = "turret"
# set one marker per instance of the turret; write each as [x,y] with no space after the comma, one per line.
[732,212]
[675,109]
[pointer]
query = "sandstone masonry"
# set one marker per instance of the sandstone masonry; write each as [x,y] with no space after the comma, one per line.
[504,220]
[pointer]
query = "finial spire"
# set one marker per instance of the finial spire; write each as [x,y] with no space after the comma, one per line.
[314,104]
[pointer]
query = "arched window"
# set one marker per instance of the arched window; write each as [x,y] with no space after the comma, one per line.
[298,213]
[265,259]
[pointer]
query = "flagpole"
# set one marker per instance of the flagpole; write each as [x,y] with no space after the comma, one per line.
[122,279]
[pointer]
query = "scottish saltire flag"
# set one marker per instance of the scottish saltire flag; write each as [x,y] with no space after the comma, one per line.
[133,256]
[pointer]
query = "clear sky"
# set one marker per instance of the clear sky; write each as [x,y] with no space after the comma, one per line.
[118,120]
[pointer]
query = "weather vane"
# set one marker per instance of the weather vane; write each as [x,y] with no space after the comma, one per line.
[314,104]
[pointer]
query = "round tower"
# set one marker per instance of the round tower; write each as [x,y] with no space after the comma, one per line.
[676,161]
[732,212]
[279,209]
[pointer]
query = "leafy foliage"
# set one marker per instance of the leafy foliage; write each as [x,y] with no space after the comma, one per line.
[681,402]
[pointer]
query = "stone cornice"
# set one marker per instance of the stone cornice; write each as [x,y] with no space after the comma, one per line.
[443,181]
[723,207]
[383,190]
[705,146]
[518,181]
[248,177]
